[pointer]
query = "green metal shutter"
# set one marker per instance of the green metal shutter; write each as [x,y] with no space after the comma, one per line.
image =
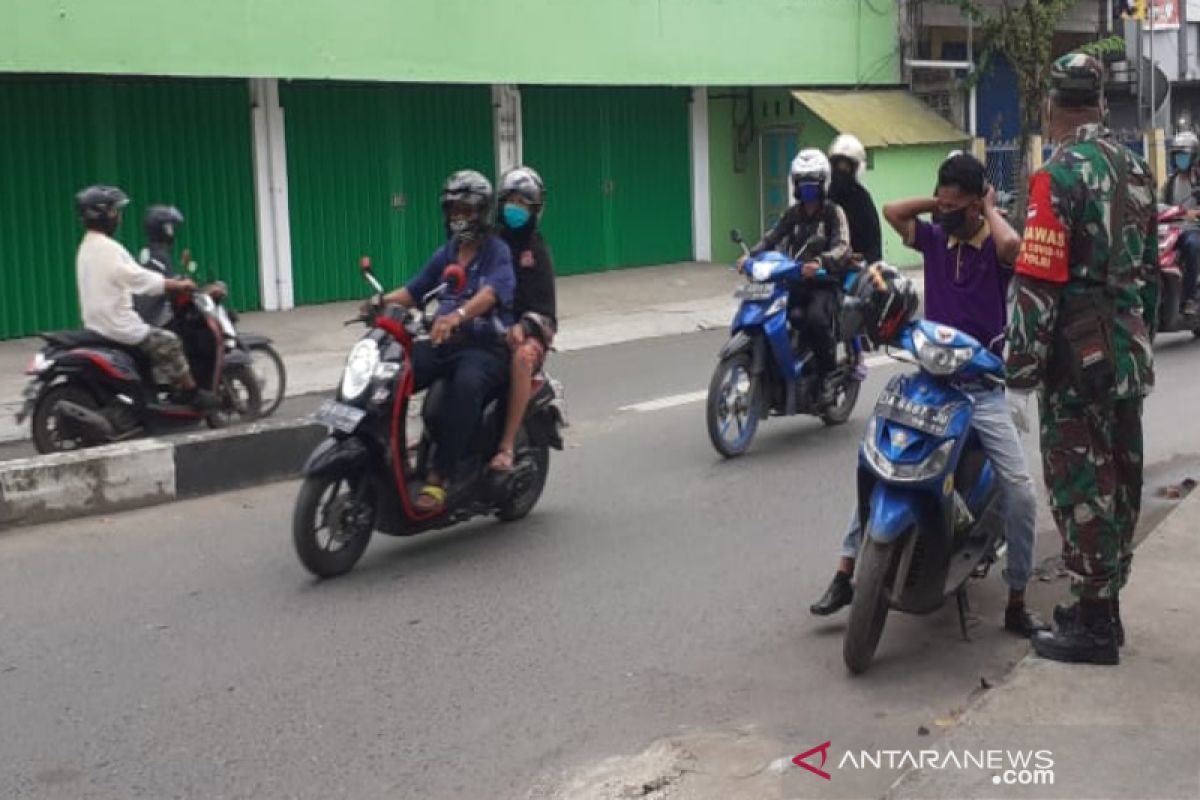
[565,139]
[173,141]
[617,170]
[365,166]
[189,144]
[651,176]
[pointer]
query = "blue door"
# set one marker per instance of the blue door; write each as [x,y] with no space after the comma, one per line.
[779,147]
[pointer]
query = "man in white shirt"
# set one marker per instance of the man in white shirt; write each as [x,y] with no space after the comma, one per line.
[108,278]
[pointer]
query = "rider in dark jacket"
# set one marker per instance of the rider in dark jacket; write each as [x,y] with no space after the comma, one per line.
[160,224]
[817,296]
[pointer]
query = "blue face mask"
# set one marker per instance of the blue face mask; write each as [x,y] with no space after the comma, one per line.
[807,192]
[1183,161]
[515,216]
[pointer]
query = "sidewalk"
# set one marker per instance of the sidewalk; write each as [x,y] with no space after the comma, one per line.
[594,310]
[1129,731]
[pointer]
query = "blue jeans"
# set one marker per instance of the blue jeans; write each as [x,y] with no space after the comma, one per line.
[998,435]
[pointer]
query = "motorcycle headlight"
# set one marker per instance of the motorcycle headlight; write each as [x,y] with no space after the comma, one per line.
[938,359]
[930,467]
[360,366]
[762,271]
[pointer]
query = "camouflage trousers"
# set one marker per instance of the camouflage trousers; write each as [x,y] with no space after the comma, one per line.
[1092,465]
[166,356]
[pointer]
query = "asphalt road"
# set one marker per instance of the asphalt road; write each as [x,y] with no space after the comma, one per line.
[183,652]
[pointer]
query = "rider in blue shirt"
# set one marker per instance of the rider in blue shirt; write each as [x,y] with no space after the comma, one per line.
[466,345]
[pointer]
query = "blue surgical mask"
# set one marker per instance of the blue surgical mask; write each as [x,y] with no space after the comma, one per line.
[1183,161]
[515,216]
[807,192]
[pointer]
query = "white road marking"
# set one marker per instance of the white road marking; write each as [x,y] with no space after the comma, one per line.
[667,402]
[671,401]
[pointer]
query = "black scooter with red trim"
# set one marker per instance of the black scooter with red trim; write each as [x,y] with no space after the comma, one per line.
[365,476]
[86,390]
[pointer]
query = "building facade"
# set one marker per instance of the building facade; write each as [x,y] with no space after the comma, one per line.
[298,136]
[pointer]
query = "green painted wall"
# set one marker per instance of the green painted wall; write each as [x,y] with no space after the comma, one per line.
[654,42]
[899,172]
[734,195]
[894,173]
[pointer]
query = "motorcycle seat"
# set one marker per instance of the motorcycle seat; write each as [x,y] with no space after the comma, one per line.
[85,338]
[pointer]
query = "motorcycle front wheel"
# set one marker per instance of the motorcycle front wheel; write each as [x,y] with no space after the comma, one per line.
[272,377]
[873,578]
[733,409]
[332,523]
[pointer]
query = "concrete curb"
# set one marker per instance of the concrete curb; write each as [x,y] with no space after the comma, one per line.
[137,474]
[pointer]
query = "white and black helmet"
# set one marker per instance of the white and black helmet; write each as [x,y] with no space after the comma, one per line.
[810,166]
[524,182]
[1185,142]
[470,188]
[810,174]
[848,146]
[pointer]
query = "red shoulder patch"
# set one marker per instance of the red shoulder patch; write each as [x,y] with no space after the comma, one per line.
[1044,251]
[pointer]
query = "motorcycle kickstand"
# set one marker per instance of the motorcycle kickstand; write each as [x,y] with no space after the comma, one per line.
[964,608]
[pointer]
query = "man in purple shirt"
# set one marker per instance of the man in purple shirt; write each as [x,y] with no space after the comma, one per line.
[968,252]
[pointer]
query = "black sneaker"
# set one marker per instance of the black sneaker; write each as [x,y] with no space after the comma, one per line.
[1023,622]
[202,400]
[1086,638]
[838,595]
[1065,615]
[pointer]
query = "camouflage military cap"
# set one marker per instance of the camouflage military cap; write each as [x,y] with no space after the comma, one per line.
[1077,79]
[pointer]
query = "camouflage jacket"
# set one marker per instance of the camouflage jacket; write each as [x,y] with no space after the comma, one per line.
[1066,248]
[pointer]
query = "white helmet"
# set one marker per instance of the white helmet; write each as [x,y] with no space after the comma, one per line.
[1186,141]
[810,166]
[849,147]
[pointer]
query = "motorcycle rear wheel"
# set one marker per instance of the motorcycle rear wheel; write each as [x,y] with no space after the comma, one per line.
[47,428]
[520,504]
[847,392]
[332,503]
[874,574]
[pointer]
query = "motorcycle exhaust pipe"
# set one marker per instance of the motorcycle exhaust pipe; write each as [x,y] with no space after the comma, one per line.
[86,420]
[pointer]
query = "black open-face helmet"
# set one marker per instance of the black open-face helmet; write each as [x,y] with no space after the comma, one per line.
[99,207]
[162,223]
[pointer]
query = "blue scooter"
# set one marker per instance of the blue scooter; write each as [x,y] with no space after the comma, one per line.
[928,498]
[766,366]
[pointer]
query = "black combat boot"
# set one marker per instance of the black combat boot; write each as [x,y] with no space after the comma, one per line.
[1065,614]
[1085,635]
[1020,620]
[839,594]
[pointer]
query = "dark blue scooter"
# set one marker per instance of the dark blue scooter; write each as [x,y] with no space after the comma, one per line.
[766,366]
[928,498]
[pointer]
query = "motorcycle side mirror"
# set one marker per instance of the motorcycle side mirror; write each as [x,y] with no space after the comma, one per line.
[186,258]
[364,264]
[736,237]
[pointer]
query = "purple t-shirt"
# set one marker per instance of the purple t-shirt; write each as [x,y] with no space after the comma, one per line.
[966,284]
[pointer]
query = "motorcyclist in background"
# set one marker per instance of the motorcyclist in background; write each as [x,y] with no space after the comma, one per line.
[816,297]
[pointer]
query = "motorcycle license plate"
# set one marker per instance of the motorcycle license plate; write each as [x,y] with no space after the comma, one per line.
[339,416]
[755,291]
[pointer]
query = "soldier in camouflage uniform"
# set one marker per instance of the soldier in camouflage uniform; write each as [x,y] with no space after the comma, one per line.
[1080,332]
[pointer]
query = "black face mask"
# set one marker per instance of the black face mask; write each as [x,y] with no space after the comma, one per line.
[951,222]
[843,182]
